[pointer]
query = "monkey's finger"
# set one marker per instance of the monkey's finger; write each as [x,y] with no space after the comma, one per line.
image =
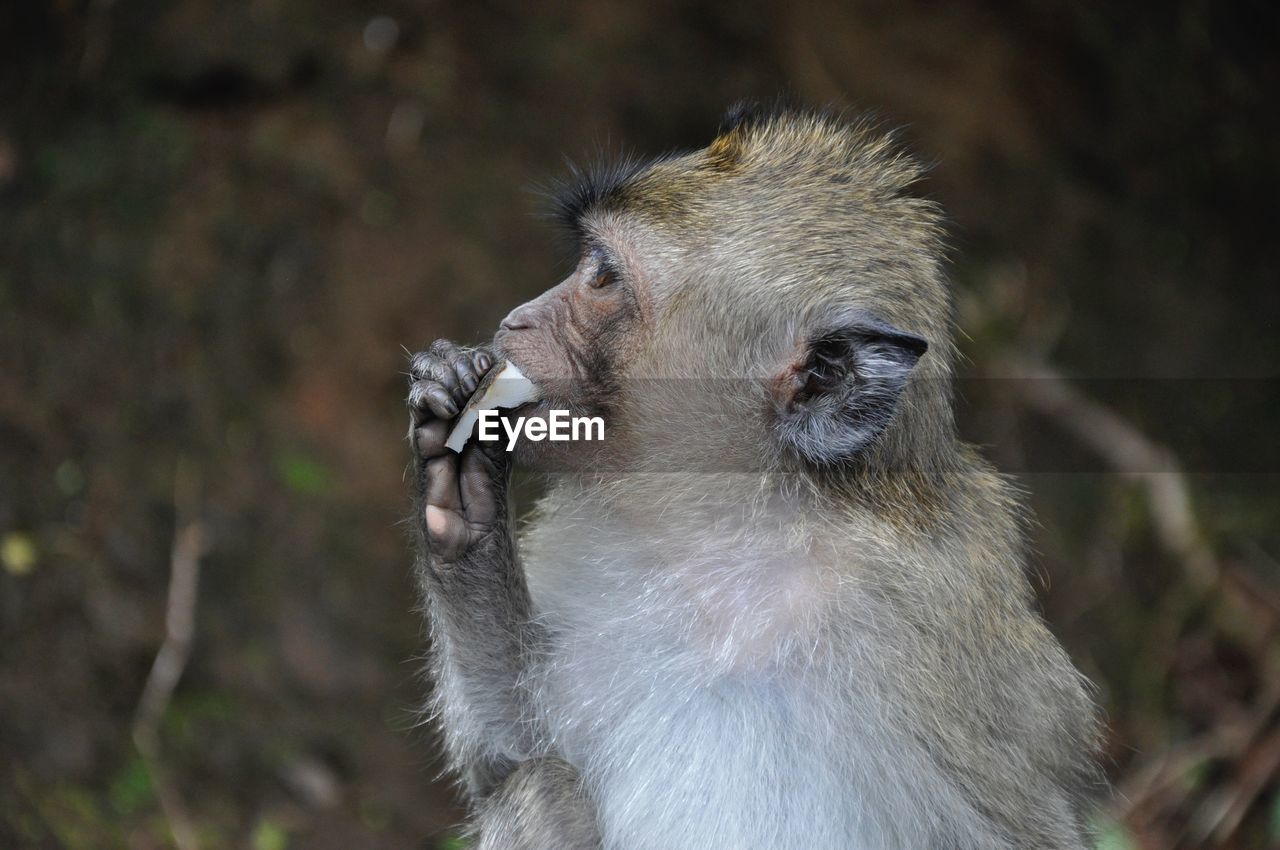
[442,483]
[429,398]
[430,367]
[417,401]
[482,360]
[444,348]
[472,367]
[447,352]
[481,480]
[446,533]
[428,438]
[421,364]
[464,369]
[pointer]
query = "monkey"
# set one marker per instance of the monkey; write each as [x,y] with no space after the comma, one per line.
[782,604]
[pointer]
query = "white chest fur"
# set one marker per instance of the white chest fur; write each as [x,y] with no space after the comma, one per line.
[710,702]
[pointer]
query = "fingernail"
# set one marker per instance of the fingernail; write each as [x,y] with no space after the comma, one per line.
[483,361]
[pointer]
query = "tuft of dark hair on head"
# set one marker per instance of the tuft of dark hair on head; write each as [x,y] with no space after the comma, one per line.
[583,188]
[747,113]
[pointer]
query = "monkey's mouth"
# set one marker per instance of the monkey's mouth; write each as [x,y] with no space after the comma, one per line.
[529,408]
[504,388]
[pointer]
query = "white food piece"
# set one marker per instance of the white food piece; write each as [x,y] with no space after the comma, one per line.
[504,387]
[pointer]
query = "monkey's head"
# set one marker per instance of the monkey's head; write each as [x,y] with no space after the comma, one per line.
[776,296]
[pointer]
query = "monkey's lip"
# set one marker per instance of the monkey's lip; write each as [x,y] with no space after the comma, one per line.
[526,409]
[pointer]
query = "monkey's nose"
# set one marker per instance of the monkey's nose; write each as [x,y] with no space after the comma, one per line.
[517,320]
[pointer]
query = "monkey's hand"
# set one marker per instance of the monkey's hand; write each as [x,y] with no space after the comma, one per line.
[462,498]
[476,595]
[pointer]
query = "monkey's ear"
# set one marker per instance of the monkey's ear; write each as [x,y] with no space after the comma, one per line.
[843,391]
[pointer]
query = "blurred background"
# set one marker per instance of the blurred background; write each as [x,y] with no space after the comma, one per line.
[221,224]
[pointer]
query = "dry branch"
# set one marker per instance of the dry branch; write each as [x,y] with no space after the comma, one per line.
[1130,453]
[1252,742]
[189,545]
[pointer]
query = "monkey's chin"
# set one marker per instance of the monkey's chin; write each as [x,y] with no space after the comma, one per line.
[551,456]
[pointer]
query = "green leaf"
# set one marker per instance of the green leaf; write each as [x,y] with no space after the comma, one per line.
[1112,835]
[131,790]
[303,474]
[269,835]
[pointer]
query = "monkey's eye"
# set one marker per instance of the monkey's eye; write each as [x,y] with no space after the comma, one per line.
[605,275]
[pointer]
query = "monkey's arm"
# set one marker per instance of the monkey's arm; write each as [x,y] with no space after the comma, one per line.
[541,805]
[475,592]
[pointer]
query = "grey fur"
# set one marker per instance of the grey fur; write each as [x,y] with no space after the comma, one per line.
[540,806]
[821,649]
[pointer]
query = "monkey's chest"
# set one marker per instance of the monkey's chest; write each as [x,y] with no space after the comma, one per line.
[713,715]
[745,761]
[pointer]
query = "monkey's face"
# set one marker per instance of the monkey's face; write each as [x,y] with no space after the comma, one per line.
[573,341]
[666,347]
[762,303]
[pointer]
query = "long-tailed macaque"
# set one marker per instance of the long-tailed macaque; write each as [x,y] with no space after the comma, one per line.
[780,605]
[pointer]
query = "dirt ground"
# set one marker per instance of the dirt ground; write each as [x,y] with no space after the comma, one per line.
[221,225]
